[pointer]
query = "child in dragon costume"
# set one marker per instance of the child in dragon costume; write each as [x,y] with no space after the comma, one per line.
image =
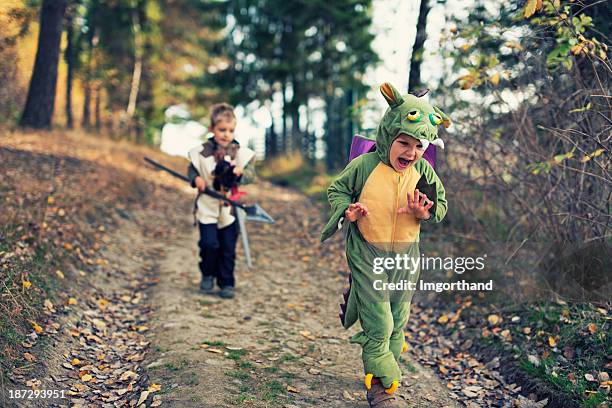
[381,194]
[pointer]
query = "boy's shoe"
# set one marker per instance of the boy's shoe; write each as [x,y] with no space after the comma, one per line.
[227,292]
[207,284]
[378,397]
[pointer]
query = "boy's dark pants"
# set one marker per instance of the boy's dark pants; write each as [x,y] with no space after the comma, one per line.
[218,252]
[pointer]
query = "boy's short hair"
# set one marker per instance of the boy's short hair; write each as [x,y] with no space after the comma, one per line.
[221,111]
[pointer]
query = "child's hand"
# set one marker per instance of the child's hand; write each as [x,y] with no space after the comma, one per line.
[200,184]
[238,171]
[418,205]
[356,211]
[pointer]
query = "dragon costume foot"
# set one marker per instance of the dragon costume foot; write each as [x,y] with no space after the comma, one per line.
[380,397]
[370,379]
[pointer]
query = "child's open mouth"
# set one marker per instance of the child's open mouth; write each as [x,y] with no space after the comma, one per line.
[403,163]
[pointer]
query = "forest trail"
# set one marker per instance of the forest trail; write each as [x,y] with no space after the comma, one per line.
[279,343]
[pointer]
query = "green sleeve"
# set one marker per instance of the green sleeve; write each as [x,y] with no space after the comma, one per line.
[340,194]
[425,169]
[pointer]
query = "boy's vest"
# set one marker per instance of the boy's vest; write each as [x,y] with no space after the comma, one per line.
[209,210]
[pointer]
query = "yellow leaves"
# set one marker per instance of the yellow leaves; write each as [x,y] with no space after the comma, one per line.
[102,303]
[26,284]
[50,200]
[59,274]
[154,387]
[307,334]
[36,327]
[531,7]
[292,389]
[466,81]
[86,377]
[552,341]
[494,319]
[75,362]
[465,47]
[494,79]
[443,319]
[588,157]
[72,301]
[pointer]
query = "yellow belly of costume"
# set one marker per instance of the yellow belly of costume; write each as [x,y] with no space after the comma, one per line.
[384,192]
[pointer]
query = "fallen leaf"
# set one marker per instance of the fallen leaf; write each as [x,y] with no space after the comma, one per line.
[30,357]
[86,377]
[26,284]
[493,319]
[592,328]
[75,362]
[154,387]
[36,327]
[443,319]
[589,377]
[494,79]
[307,334]
[143,397]
[292,389]
[72,301]
[552,342]
[59,274]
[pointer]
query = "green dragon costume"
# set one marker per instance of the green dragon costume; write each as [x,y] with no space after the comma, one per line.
[371,180]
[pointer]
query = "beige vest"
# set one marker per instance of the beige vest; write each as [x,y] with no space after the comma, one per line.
[210,210]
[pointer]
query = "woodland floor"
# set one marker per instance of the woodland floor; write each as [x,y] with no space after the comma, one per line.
[138,332]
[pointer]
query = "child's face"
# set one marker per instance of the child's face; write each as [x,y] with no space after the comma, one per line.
[223,131]
[405,151]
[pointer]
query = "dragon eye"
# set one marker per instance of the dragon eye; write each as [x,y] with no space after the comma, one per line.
[435,119]
[414,116]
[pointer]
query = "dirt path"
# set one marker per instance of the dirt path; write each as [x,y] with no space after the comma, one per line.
[279,343]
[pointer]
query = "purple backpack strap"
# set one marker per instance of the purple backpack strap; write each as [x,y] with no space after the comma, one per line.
[430,155]
[361,145]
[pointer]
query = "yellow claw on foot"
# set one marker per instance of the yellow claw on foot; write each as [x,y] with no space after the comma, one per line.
[368,381]
[405,347]
[392,388]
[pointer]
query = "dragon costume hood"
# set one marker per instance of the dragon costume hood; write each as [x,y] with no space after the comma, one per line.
[409,114]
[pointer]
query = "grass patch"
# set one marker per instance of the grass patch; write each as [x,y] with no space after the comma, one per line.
[288,357]
[176,366]
[241,375]
[245,365]
[236,355]
[273,389]
[214,343]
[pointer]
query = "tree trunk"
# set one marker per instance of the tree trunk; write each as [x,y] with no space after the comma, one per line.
[97,108]
[137,73]
[414,80]
[88,78]
[69,58]
[40,102]
[284,141]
